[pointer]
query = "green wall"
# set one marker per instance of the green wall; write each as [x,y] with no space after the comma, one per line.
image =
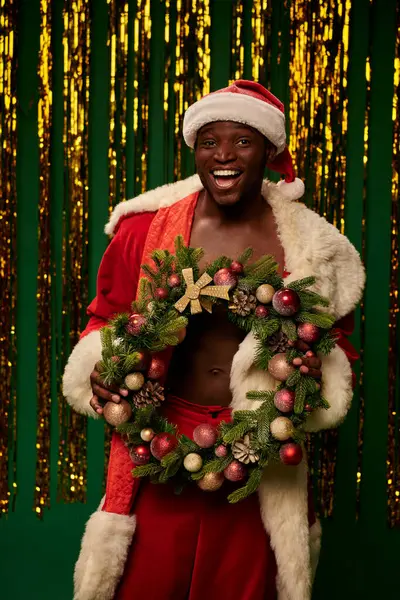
[360,556]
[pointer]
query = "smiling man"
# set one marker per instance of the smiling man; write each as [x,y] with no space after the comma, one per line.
[144,541]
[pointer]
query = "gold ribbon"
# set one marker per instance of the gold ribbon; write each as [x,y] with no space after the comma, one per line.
[195,291]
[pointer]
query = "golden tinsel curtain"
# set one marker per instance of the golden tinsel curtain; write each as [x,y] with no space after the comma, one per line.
[92,101]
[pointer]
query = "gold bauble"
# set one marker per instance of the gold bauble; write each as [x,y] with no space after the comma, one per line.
[116,414]
[193,462]
[134,381]
[147,434]
[279,368]
[265,293]
[211,482]
[281,429]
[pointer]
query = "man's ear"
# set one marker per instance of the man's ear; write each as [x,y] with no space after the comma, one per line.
[270,152]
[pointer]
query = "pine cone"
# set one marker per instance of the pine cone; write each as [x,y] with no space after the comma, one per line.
[243,303]
[243,452]
[152,393]
[278,342]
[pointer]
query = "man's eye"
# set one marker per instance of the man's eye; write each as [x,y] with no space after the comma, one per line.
[243,142]
[208,143]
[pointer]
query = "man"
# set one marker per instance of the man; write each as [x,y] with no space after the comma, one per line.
[197,545]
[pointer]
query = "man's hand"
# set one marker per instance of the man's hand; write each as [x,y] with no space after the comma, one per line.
[103,393]
[310,364]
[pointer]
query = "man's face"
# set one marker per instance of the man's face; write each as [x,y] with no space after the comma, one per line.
[230,160]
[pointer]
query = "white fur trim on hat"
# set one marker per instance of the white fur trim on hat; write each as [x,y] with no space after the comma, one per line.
[241,108]
[293,190]
[76,382]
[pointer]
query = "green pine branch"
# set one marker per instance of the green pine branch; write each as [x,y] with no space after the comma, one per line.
[251,486]
[289,328]
[293,379]
[301,392]
[310,299]
[323,320]
[245,256]
[301,284]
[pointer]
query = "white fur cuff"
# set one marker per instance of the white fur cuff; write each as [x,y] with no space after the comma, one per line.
[76,382]
[104,549]
[337,389]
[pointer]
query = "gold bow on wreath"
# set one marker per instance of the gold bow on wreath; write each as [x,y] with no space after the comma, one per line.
[195,291]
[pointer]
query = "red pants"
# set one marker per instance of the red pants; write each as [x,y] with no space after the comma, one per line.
[197,546]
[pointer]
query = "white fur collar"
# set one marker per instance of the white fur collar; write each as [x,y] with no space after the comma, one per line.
[312,245]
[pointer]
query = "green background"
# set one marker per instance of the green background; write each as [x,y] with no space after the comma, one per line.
[359,556]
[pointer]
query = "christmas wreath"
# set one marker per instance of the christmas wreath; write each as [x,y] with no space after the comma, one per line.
[257,301]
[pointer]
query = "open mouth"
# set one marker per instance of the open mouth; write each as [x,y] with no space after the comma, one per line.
[226,178]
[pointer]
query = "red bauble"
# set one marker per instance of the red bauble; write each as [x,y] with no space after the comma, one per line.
[221,451]
[261,311]
[205,435]
[308,333]
[291,454]
[286,302]
[144,360]
[236,267]
[156,368]
[136,324]
[308,408]
[161,293]
[140,455]
[162,444]
[284,400]
[225,277]
[235,471]
[174,280]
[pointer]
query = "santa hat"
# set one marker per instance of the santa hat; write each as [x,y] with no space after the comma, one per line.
[252,104]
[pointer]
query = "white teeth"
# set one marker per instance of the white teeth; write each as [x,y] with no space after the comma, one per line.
[225,173]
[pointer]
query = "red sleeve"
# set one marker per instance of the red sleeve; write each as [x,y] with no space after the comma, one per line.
[119,271]
[342,329]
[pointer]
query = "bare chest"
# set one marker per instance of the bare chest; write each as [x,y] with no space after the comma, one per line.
[231,240]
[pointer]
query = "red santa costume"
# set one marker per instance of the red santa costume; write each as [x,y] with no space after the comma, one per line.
[269,543]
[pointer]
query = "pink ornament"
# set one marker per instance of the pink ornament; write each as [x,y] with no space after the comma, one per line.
[205,435]
[279,368]
[286,302]
[174,280]
[161,293]
[308,332]
[291,454]
[225,277]
[162,444]
[284,400]
[261,311]
[235,471]
[156,368]
[308,408]
[140,455]
[136,324]
[236,267]
[221,451]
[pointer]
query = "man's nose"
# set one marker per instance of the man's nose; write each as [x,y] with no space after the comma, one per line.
[225,152]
